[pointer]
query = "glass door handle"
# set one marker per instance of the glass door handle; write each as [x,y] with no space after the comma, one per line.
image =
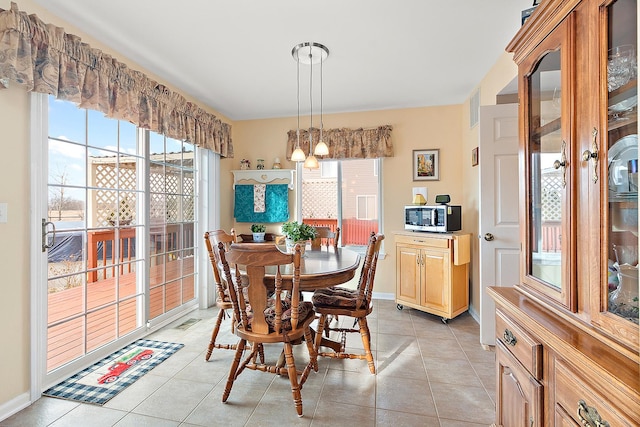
[593,155]
[46,243]
[562,164]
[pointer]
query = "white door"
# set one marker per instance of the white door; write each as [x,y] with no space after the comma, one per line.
[498,211]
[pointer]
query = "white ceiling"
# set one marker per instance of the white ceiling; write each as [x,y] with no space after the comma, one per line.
[235,55]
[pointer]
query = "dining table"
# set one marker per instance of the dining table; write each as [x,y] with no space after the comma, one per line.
[320,268]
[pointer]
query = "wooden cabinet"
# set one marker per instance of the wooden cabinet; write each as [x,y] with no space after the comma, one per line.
[578,376]
[577,77]
[432,272]
[519,394]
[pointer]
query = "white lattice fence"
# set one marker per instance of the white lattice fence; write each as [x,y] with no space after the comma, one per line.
[319,199]
[551,196]
[108,209]
[162,207]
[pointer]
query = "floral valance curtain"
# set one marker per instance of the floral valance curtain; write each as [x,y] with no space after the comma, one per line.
[45,59]
[347,143]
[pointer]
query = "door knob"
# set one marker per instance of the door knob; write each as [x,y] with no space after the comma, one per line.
[488,237]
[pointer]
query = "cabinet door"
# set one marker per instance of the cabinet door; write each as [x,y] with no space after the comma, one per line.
[546,88]
[408,270]
[613,174]
[519,396]
[436,287]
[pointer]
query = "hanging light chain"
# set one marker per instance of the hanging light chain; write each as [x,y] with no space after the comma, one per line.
[311,100]
[321,122]
[298,97]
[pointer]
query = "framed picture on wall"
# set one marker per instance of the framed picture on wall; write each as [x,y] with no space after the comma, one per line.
[426,165]
[474,157]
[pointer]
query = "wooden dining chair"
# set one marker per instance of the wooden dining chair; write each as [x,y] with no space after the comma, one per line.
[223,300]
[325,237]
[356,303]
[268,317]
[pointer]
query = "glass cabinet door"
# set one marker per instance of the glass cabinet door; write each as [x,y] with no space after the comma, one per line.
[547,160]
[620,178]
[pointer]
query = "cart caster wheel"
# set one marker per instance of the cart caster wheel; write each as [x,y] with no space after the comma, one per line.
[444,320]
[399,306]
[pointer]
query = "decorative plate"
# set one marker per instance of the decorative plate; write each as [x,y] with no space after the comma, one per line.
[620,153]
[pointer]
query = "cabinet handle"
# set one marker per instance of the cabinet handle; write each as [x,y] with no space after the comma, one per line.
[593,155]
[562,163]
[509,338]
[589,416]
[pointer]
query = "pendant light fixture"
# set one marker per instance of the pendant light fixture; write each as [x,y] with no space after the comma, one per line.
[309,53]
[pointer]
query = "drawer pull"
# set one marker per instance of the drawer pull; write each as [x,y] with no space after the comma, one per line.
[509,338]
[589,416]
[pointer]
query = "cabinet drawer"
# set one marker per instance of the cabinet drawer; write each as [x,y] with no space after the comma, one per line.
[526,349]
[423,241]
[575,396]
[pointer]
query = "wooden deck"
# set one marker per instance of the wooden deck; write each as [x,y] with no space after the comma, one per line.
[111,308]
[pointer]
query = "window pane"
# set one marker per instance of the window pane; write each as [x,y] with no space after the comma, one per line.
[359,197]
[355,197]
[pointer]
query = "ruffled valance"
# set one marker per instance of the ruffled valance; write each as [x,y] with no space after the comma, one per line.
[347,143]
[45,59]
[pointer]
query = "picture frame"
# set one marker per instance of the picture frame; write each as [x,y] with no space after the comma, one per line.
[426,165]
[474,157]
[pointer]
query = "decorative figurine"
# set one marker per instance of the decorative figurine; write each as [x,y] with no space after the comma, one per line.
[245,164]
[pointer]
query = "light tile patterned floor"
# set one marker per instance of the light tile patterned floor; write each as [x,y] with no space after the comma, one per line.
[429,374]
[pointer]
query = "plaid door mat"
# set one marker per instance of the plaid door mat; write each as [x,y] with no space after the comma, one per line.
[100,382]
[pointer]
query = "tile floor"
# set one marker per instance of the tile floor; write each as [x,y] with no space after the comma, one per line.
[429,374]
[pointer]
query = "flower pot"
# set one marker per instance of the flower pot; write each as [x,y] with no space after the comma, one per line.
[258,237]
[290,244]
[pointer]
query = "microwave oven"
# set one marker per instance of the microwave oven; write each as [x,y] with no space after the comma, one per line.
[438,219]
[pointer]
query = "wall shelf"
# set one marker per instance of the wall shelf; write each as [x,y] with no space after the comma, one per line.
[264,176]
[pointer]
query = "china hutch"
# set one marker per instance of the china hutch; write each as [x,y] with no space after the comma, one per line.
[567,337]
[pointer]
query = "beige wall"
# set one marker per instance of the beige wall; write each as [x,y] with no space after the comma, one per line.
[445,128]
[413,129]
[14,243]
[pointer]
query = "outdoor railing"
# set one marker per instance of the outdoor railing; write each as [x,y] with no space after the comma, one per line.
[353,231]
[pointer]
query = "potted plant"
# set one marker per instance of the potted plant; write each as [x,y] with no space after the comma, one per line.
[258,231]
[298,233]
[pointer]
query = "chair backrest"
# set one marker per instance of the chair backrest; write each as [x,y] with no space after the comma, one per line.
[252,258]
[326,237]
[368,272]
[211,239]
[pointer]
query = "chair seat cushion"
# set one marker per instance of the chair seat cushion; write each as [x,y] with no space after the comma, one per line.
[304,309]
[336,297]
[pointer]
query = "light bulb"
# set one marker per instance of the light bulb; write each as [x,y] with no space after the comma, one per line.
[311,162]
[321,149]
[298,155]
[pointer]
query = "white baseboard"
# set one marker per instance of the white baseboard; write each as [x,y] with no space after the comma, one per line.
[474,314]
[14,405]
[380,295]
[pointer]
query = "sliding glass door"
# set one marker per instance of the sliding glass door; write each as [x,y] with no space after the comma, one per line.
[118,233]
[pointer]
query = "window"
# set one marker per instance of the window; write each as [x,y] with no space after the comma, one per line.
[344,194]
[366,207]
[329,169]
[109,186]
